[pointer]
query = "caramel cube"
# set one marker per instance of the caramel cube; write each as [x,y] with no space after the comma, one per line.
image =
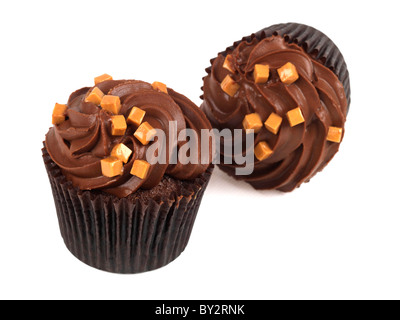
[295,117]
[334,134]
[288,73]
[59,113]
[262,151]
[111,167]
[160,86]
[145,133]
[273,123]
[252,121]
[229,86]
[140,168]
[121,152]
[111,104]
[102,78]
[136,116]
[118,125]
[261,73]
[228,63]
[95,96]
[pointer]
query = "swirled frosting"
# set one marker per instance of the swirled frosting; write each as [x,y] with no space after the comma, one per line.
[299,152]
[78,144]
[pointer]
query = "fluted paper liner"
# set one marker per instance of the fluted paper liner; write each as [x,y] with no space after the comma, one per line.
[314,42]
[130,235]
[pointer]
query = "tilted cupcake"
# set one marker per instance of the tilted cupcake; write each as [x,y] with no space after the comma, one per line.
[117,210]
[289,83]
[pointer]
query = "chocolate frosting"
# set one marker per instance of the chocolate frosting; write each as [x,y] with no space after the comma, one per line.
[78,144]
[299,152]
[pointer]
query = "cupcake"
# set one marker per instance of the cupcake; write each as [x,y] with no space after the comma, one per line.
[124,200]
[289,86]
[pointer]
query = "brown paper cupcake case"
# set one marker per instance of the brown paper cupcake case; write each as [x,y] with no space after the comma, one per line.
[313,41]
[139,233]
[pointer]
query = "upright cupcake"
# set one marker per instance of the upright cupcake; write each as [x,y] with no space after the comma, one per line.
[119,211]
[289,85]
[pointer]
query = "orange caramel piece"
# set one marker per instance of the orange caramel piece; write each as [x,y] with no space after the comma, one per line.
[58,113]
[295,117]
[140,169]
[252,121]
[228,63]
[229,86]
[121,152]
[288,73]
[102,78]
[136,116]
[95,96]
[160,86]
[145,133]
[273,123]
[334,134]
[111,104]
[111,167]
[262,151]
[118,125]
[261,73]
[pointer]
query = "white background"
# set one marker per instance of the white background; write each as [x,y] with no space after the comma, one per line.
[337,237]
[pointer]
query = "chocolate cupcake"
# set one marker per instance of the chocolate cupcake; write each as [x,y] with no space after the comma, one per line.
[289,85]
[117,209]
